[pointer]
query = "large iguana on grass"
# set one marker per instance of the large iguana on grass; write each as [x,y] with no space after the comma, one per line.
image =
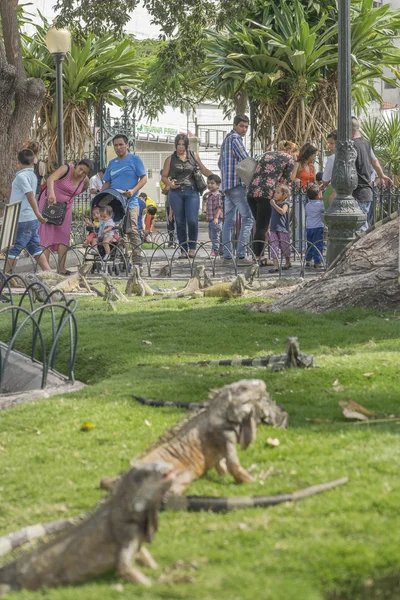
[293,358]
[107,540]
[208,438]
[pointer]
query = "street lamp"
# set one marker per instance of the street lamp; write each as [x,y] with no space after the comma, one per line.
[58,42]
[343,216]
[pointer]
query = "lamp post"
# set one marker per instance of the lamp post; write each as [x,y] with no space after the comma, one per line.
[58,42]
[343,216]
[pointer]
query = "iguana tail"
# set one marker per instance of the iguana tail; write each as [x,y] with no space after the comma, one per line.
[216,504]
[28,534]
[166,403]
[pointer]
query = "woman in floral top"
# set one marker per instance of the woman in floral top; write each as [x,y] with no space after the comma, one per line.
[272,168]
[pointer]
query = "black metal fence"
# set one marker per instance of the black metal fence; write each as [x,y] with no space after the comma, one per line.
[47,322]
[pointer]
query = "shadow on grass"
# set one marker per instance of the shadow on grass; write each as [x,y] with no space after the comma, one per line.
[387,588]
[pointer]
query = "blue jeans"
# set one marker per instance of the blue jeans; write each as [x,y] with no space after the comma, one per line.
[235,200]
[214,233]
[185,204]
[27,237]
[365,207]
[315,235]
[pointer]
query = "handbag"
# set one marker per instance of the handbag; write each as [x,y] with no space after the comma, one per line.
[245,169]
[199,180]
[54,213]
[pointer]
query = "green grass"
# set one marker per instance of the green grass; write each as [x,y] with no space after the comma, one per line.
[339,545]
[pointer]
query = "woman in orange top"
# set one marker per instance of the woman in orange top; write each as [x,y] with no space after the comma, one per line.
[304,171]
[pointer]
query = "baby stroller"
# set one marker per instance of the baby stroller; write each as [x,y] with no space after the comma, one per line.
[116,263]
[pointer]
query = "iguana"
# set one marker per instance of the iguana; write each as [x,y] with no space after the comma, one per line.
[111,293]
[293,358]
[249,275]
[107,540]
[208,437]
[228,289]
[72,282]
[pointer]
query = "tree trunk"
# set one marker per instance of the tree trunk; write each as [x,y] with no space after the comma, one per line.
[19,97]
[241,100]
[366,275]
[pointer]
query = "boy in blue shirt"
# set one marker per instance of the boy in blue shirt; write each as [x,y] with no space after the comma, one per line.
[315,209]
[23,190]
[127,174]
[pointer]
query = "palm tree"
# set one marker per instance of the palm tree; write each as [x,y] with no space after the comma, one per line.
[100,68]
[289,68]
[384,137]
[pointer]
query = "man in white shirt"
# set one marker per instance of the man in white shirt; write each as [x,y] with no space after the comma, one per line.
[331,144]
[96,183]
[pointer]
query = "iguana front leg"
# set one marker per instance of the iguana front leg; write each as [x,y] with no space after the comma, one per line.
[144,558]
[220,466]
[233,465]
[125,568]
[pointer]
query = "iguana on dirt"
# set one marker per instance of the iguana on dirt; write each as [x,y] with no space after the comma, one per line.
[208,437]
[72,282]
[106,540]
[293,358]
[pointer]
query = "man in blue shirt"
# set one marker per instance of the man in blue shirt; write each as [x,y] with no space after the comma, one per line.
[232,152]
[127,174]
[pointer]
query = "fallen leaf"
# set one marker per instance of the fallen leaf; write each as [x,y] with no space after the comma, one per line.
[353,414]
[147,342]
[146,422]
[368,374]
[354,406]
[87,426]
[273,441]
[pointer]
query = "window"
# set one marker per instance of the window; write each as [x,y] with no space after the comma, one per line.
[389,86]
[149,173]
[377,4]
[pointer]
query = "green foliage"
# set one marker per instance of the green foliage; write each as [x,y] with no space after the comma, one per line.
[94,16]
[288,65]
[96,67]
[339,545]
[384,137]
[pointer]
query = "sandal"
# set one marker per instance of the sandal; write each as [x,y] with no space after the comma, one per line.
[264,262]
[192,253]
[273,271]
[182,256]
[286,267]
[66,272]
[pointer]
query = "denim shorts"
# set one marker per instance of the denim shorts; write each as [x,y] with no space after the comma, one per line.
[27,237]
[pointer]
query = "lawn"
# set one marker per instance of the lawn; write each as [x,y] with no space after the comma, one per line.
[341,545]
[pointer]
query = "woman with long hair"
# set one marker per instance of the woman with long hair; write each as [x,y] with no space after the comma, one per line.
[183,196]
[67,182]
[304,171]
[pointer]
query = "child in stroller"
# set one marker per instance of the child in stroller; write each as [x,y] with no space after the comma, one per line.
[107,232]
[92,227]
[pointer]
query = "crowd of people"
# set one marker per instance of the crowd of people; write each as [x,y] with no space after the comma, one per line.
[264,206]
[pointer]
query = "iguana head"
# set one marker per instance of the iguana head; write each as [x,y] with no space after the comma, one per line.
[199,272]
[145,484]
[85,269]
[251,272]
[242,406]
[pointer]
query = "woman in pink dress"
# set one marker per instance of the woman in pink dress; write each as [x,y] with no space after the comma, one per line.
[63,186]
